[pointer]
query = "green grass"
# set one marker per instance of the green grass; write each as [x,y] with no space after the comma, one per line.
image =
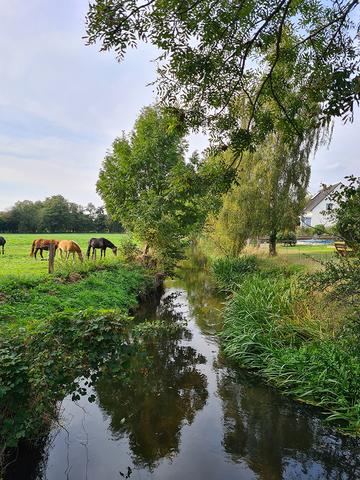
[300,253]
[16,260]
[29,293]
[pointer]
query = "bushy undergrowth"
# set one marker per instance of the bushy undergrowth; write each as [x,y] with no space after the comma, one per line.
[59,327]
[297,340]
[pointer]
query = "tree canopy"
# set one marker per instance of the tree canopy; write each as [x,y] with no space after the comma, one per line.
[296,62]
[56,214]
[146,183]
[347,211]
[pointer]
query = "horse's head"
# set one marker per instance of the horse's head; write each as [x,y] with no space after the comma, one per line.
[81,256]
[114,250]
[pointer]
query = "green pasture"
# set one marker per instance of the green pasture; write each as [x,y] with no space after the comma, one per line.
[16,260]
[305,254]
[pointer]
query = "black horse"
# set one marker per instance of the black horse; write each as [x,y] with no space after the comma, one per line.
[101,243]
[2,243]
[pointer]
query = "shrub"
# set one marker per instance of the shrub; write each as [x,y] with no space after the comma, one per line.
[287,239]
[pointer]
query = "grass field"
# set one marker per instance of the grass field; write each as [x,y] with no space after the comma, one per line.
[16,260]
[304,254]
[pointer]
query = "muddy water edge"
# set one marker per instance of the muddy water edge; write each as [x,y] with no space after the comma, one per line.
[193,414]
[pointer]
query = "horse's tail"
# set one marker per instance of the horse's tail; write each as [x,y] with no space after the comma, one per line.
[32,249]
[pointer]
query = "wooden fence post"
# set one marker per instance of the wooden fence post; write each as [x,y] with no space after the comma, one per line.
[51,256]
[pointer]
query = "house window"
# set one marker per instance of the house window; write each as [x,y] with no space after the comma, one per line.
[306,221]
[329,206]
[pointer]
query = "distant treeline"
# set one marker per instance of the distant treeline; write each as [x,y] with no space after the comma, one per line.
[56,214]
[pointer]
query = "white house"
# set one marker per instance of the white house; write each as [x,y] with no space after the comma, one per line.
[320,203]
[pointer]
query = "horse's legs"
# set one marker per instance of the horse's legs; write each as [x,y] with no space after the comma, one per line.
[41,255]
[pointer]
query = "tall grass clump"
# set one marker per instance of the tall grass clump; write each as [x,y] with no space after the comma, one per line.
[260,318]
[228,272]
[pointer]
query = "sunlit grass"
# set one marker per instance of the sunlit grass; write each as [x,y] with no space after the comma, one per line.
[16,260]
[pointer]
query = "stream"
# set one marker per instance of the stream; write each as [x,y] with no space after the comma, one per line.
[193,414]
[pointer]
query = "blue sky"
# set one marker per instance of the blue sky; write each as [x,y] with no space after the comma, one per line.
[63,103]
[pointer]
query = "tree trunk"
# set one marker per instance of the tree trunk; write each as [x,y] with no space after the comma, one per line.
[272,244]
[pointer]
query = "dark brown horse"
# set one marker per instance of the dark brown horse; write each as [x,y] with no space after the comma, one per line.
[2,243]
[101,243]
[41,244]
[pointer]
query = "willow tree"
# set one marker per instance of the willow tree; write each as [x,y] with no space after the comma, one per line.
[269,196]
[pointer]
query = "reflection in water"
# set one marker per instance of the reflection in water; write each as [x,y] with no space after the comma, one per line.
[152,410]
[193,414]
[279,438]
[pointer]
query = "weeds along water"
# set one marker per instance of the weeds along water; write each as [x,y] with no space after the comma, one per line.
[299,341]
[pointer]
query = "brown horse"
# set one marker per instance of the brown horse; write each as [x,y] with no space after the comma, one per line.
[69,246]
[41,244]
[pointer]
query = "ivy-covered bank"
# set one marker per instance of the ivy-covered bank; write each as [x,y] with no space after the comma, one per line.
[298,330]
[61,328]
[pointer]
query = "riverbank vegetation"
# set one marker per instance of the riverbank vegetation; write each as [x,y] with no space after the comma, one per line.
[296,329]
[59,333]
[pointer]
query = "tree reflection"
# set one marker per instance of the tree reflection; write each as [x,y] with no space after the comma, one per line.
[152,409]
[279,438]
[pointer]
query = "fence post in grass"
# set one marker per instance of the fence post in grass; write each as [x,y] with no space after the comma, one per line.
[51,257]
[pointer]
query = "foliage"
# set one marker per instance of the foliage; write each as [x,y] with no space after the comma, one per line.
[41,364]
[288,238]
[228,272]
[56,214]
[319,229]
[114,286]
[296,62]
[269,195]
[293,342]
[340,279]
[347,212]
[146,183]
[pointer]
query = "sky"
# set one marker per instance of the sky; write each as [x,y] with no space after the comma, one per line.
[63,103]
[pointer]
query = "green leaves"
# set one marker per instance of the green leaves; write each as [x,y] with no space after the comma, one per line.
[146,183]
[293,55]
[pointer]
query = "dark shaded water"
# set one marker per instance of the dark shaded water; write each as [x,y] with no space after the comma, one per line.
[193,415]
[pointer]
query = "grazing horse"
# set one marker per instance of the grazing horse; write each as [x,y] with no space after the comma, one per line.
[101,243]
[2,243]
[69,246]
[41,244]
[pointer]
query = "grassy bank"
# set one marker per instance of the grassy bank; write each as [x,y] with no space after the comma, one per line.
[303,341]
[59,327]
